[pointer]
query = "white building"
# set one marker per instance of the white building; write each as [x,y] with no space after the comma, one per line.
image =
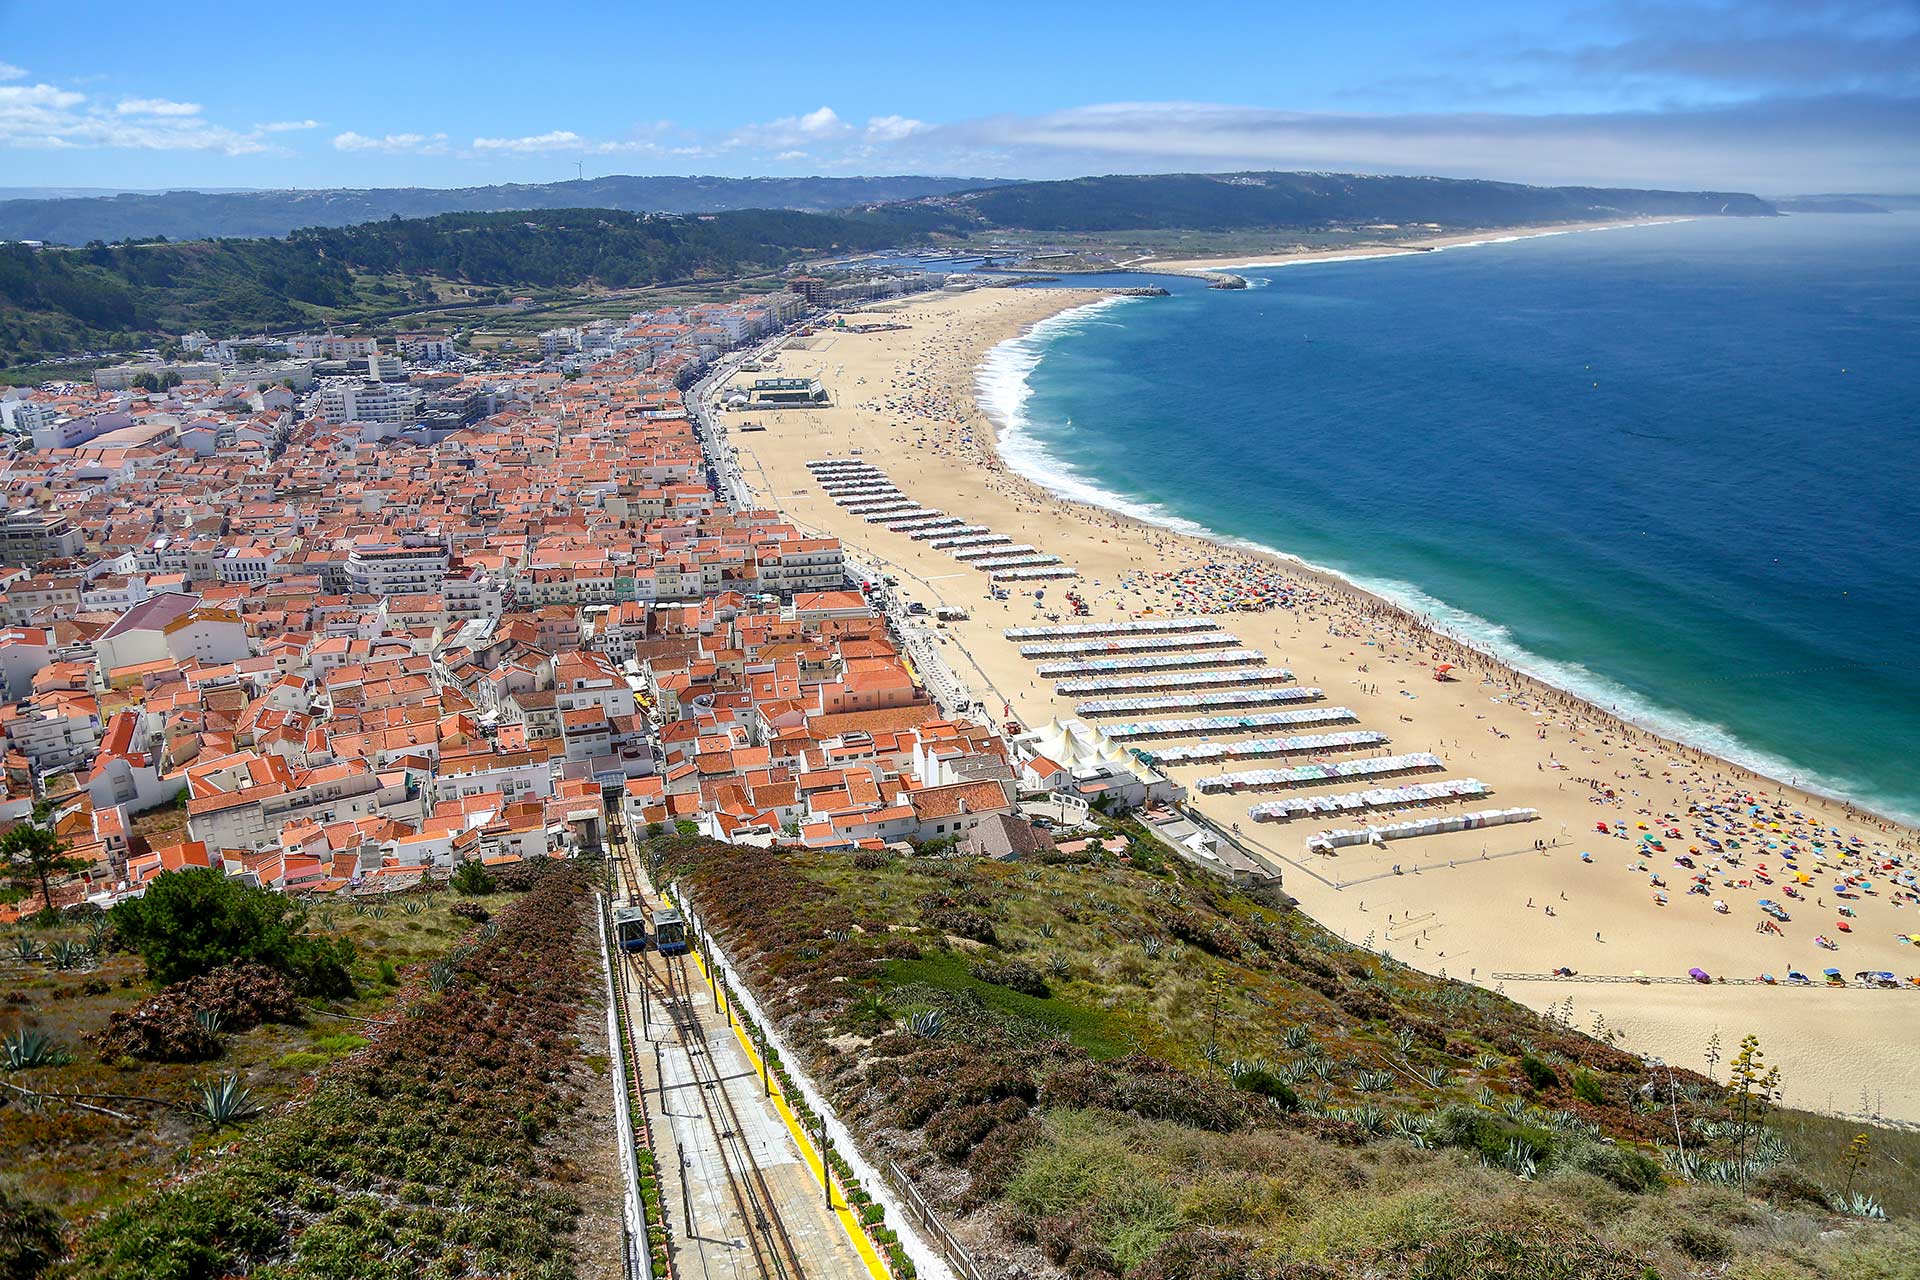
[345,400]
[396,571]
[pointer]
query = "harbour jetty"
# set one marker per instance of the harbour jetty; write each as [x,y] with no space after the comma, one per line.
[1214,279]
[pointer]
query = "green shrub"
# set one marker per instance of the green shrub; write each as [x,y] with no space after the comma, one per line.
[1624,1167]
[1587,1088]
[473,879]
[192,922]
[1538,1073]
[30,1235]
[1268,1085]
[1487,1135]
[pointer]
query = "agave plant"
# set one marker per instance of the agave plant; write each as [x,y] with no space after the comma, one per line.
[1058,967]
[1435,1077]
[1859,1204]
[1487,1097]
[68,955]
[1046,929]
[927,1024]
[413,907]
[225,1101]
[26,950]
[1366,1118]
[1413,1128]
[1296,1037]
[1516,1108]
[210,1020]
[442,975]
[1517,1159]
[25,1049]
[1403,1040]
[1152,947]
[1373,1081]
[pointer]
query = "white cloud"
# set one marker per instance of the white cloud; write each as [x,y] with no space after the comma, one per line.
[820,125]
[792,155]
[893,128]
[564,141]
[286,126]
[157,107]
[533,144]
[10,72]
[48,117]
[399,144]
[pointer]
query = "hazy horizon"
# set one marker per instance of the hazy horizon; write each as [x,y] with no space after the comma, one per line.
[1767,96]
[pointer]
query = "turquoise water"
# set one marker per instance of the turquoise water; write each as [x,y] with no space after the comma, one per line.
[1675,469]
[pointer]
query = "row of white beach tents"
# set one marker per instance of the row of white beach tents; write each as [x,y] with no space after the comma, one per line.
[1146,662]
[1325,841]
[1289,807]
[1199,701]
[1200,726]
[1173,680]
[1312,775]
[1200,752]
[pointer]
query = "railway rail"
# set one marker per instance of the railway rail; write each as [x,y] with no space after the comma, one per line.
[668,984]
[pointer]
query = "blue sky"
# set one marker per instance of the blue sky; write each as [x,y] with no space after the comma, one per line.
[1768,95]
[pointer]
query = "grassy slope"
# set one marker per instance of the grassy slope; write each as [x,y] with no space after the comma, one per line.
[441,1148]
[1093,1127]
[86,1164]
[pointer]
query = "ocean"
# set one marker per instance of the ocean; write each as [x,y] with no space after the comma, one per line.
[1674,469]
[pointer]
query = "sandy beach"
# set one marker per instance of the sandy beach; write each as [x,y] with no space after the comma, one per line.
[1289,254]
[1518,899]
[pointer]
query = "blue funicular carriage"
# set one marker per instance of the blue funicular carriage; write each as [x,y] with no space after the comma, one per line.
[630,928]
[669,932]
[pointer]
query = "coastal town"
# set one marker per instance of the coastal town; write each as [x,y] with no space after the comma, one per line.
[357,613]
[343,612]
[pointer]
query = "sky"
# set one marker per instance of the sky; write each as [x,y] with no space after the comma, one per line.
[1770,96]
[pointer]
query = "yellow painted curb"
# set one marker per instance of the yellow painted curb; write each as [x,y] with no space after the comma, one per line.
[856,1231]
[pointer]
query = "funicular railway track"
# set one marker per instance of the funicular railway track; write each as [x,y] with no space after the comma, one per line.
[671,986]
